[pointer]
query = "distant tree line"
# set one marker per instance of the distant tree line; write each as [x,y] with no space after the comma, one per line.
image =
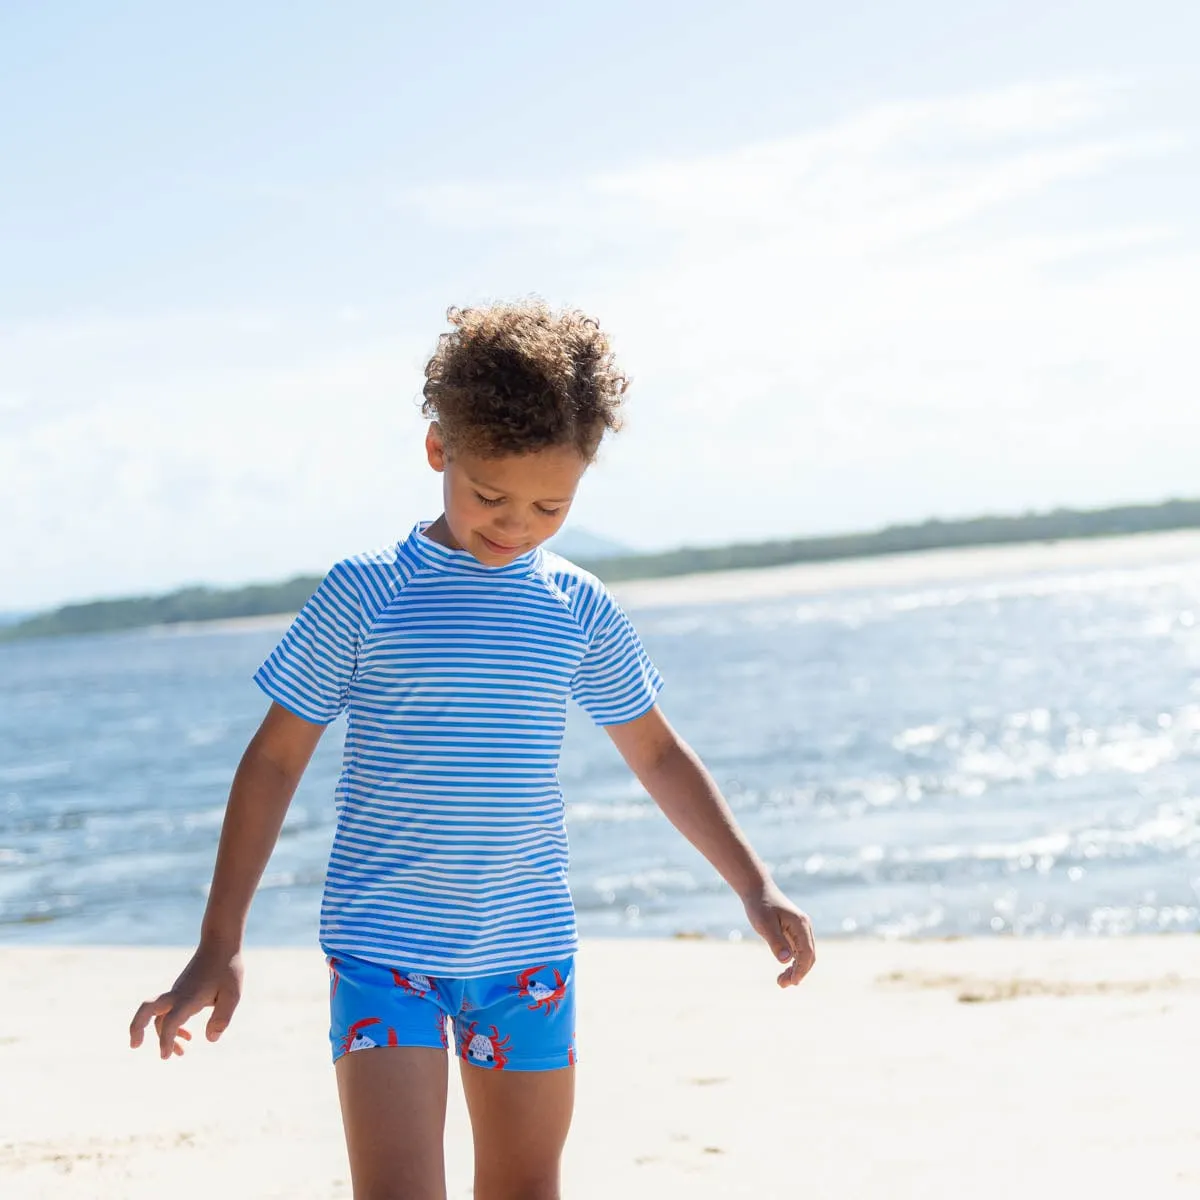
[210,604]
[1062,524]
[187,604]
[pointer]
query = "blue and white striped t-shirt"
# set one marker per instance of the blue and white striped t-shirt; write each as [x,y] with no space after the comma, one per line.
[450,855]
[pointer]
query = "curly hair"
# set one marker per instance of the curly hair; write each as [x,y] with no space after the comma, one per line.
[513,378]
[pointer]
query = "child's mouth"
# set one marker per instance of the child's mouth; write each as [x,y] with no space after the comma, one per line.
[497,547]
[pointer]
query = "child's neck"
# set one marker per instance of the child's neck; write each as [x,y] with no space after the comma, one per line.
[439,532]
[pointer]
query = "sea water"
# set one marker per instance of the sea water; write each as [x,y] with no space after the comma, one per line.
[1018,754]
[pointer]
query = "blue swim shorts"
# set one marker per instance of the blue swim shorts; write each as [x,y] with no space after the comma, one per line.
[516,1021]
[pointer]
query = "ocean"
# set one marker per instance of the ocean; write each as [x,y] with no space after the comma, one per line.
[1012,751]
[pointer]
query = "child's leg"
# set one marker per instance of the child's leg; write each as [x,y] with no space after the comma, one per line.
[387,1033]
[394,1113]
[515,1035]
[520,1121]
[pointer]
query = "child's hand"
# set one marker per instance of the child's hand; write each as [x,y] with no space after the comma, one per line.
[785,929]
[212,979]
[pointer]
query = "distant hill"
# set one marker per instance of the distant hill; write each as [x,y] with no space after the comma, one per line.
[581,546]
[204,604]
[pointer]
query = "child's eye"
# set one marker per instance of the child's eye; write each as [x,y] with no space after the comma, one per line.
[548,512]
[489,503]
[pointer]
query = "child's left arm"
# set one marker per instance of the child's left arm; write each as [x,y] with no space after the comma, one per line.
[681,786]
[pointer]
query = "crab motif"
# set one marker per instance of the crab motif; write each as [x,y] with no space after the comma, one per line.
[415,984]
[355,1039]
[543,996]
[485,1051]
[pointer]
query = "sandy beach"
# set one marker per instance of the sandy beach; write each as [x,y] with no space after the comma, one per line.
[981,1068]
[914,569]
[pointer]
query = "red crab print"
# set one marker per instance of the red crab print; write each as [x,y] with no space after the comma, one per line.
[572,1057]
[355,1039]
[542,996]
[414,984]
[485,1051]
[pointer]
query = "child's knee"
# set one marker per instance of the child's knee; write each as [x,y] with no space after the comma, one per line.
[507,1186]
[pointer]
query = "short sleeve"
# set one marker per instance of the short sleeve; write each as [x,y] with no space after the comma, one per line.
[310,671]
[615,682]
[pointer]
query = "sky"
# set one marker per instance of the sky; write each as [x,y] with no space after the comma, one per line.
[866,263]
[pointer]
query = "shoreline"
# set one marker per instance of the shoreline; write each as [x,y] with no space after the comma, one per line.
[912,568]
[988,1067]
[958,564]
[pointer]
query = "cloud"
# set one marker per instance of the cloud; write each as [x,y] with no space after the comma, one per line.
[139,455]
[927,307]
[896,170]
[933,306]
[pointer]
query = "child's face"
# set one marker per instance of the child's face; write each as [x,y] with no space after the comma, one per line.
[501,508]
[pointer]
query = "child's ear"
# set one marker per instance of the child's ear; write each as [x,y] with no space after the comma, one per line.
[435,448]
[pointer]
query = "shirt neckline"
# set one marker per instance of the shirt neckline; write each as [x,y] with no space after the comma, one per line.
[463,562]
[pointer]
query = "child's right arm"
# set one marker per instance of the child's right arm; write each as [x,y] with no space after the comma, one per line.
[262,789]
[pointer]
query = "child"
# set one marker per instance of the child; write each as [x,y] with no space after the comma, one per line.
[454,653]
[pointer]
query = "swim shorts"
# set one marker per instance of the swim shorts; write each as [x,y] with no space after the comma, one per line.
[515,1021]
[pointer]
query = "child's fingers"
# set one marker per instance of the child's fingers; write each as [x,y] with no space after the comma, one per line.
[170,1025]
[150,1010]
[803,952]
[779,945]
[770,929]
[222,1013]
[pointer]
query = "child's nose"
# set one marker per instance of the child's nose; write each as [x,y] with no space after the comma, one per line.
[511,523]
